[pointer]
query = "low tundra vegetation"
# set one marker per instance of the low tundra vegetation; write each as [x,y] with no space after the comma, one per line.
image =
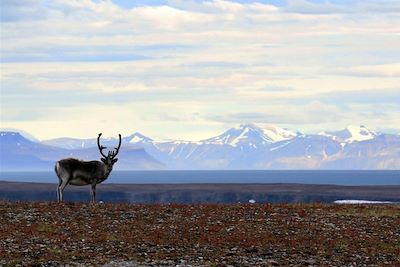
[46,233]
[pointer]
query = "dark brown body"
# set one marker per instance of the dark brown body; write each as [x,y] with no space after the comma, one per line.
[77,172]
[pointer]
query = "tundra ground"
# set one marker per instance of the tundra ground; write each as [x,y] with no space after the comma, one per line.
[48,233]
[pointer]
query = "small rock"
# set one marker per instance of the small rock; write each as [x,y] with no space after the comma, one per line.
[251,250]
[268,253]
[273,262]
[309,262]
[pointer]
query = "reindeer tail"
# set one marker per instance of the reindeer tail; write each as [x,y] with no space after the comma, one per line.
[56,168]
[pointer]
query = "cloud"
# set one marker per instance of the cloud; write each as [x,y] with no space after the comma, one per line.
[350,7]
[100,57]
[277,88]
[215,64]
[366,96]
[227,61]
[311,113]
[379,70]
[307,7]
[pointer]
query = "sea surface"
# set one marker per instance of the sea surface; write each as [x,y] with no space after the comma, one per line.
[334,177]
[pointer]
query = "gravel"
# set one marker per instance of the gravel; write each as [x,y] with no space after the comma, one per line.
[81,234]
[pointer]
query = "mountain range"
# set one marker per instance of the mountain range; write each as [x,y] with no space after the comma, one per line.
[247,146]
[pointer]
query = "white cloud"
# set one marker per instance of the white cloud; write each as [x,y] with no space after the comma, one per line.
[384,70]
[210,58]
[311,113]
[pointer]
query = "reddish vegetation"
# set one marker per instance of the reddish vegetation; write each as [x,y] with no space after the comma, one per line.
[34,233]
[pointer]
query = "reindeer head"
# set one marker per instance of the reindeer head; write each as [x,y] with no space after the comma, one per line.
[110,159]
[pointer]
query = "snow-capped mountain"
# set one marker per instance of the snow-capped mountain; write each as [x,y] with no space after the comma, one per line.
[351,134]
[251,135]
[252,147]
[137,138]
[24,134]
[19,153]
[76,143]
[277,134]
[247,146]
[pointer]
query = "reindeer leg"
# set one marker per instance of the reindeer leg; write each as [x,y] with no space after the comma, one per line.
[58,190]
[93,193]
[61,187]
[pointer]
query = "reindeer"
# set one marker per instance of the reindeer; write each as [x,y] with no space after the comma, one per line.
[77,172]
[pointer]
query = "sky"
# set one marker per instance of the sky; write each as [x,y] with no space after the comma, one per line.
[190,69]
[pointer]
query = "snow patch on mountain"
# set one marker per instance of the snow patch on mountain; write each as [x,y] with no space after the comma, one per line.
[138,138]
[279,146]
[277,134]
[351,134]
[360,133]
[251,135]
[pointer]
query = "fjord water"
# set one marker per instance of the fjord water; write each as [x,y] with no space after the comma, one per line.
[334,177]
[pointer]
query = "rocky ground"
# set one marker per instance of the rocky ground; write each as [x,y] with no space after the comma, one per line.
[50,234]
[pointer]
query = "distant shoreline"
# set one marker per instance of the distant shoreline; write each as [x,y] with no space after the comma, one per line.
[311,177]
[203,193]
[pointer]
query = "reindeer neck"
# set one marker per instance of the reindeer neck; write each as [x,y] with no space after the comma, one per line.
[106,173]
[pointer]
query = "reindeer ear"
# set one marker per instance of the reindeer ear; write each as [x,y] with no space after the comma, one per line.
[103,160]
[115,160]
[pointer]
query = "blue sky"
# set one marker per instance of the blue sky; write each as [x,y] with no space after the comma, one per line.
[189,69]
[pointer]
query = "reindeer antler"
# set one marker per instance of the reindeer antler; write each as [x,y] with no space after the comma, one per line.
[100,147]
[115,153]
